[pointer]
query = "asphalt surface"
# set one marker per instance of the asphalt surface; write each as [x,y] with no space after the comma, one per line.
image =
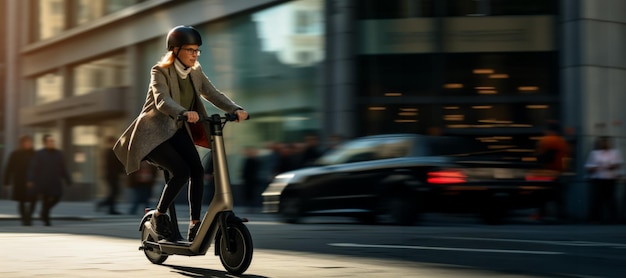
[85,243]
[69,250]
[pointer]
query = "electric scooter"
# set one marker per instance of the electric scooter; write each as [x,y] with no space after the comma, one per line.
[233,242]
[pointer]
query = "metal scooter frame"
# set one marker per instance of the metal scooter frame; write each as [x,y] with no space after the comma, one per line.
[219,212]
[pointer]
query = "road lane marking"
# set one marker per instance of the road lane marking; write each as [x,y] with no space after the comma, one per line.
[578,243]
[445,249]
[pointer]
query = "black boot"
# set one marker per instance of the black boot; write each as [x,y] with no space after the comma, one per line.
[193,229]
[161,225]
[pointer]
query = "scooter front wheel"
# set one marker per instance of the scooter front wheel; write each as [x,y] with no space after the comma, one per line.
[236,254]
[155,257]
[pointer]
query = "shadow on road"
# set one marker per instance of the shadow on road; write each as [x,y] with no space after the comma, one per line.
[203,272]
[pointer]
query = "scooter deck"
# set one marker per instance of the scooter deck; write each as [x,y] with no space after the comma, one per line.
[172,248]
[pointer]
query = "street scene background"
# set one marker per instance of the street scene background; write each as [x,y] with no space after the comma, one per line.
[313,74]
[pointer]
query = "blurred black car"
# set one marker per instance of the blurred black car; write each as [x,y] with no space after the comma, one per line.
[392,178]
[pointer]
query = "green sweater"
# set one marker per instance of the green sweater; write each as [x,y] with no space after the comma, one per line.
[186,92]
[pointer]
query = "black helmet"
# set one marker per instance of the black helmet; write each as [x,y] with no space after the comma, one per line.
[181,35]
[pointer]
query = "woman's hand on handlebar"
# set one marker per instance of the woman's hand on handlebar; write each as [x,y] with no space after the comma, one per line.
[192,116]
[242,115]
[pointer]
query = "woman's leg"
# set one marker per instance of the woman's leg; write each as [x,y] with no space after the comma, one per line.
[180,158]
[166,156]
[188,151]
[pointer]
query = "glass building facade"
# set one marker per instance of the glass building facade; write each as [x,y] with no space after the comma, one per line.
[487,69]
[88,85]
[494,70]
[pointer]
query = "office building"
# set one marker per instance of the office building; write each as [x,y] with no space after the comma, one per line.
[492,70]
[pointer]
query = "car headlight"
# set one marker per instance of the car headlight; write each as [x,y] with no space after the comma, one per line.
[278,184]
[284,177]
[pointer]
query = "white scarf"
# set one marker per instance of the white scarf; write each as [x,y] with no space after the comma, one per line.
[180,69]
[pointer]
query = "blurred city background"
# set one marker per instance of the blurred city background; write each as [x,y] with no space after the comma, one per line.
[493,70]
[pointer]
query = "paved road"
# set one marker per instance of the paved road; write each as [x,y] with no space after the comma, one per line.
[68,250]
[83,243]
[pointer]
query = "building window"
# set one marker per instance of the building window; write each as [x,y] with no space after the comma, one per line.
[89,10]
[285,48]
[54,16]
[308,22]
[459,72]
[48,88]
[51,18]
[500,74]
[83,153]
[110,72]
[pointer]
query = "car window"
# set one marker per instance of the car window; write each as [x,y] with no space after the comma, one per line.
[366,149]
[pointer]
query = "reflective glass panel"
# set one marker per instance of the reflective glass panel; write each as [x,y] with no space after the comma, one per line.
[51,18]
[88,10]
[269,55]
[85,146]
[48,88]
[104,73]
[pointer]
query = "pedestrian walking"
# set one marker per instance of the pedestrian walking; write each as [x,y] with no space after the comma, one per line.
[113,170]
[15,178]
[46,175]
[603,165]
[553,153]
[141,183]
[177,84]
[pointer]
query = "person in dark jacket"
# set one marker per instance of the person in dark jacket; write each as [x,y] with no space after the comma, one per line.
[15,176]
[112,174]
[46,175]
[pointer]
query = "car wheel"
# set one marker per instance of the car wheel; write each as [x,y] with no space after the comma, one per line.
[291,209]
[397,208]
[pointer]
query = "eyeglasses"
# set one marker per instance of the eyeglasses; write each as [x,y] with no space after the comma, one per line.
[192,51]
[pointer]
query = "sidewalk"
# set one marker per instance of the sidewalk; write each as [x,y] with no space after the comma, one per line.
[85,211]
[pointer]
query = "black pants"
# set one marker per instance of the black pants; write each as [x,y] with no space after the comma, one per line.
[179,157]
[26,209]
[47,203]
[603,197]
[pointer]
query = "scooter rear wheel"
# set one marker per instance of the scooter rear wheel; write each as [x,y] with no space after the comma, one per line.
[235,255]
[154,257]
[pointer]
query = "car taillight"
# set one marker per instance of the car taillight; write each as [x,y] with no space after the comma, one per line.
[541,175]
[446,176]
[539,178]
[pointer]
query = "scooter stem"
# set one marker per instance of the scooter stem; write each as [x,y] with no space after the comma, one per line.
[223,198]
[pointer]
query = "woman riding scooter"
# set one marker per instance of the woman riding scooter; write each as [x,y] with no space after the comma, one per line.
[176,85]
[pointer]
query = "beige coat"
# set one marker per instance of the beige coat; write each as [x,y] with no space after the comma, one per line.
[157,121]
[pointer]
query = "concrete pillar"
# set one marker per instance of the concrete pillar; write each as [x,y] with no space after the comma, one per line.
[12,70]
[593,82]
[339,105]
